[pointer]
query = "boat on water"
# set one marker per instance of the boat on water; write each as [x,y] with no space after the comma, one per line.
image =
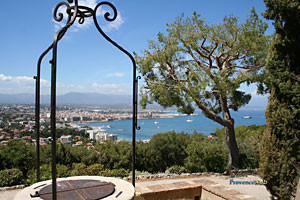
[156,122]
[247,117]
[109,126]
[189,119]
[120,130]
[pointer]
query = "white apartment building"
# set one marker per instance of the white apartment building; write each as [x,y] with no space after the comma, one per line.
[66,139]
[102,137]
[92,133]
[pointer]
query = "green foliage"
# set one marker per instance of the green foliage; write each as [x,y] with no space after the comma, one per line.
[78,169]
[84,155]
[17,155]
[94,170]
[205,154]
[176,169]
[201,61]
[248,139]
[280,146]
[115,155]
[115,173]
[46,173]
[165,150]
[64,155]
[10,177]
[174,152]
[62,171]
[198,64]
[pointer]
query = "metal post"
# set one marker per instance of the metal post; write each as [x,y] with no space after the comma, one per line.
[81,12]
[53,119]
[134,99]
[37,125]
[133,127]
[37,111]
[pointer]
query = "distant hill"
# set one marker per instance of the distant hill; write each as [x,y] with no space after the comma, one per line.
[75,98]
[72,98]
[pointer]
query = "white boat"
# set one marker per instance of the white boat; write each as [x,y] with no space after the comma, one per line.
[156,122]
[247,117]
[109,126]
[189,119]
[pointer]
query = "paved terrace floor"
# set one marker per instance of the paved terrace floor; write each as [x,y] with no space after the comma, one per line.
[219,183]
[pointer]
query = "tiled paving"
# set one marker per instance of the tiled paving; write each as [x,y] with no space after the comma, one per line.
[220,190]
[215,184]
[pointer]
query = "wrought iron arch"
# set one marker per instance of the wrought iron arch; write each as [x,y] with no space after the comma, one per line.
[75,12]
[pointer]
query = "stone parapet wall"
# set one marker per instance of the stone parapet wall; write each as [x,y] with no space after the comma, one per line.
[230,173]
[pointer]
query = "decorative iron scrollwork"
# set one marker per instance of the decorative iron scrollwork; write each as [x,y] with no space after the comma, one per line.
[81,12]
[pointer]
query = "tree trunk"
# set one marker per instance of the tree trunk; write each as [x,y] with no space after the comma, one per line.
[233,151]
[228,123]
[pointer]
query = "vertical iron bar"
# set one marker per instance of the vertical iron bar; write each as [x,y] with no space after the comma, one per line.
[134,120]
[37,124]
[57,37]
[134,111]
[37,111]
[133,125]
[53,117]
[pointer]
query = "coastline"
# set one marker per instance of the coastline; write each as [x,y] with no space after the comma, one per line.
[183,123]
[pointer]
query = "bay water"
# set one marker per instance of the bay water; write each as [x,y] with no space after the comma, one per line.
[199,123]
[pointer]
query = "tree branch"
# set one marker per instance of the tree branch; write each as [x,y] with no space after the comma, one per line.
[209,113]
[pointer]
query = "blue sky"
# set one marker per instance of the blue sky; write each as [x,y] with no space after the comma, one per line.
[86,61]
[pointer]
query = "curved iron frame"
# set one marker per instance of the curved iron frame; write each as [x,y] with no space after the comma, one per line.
[74,12]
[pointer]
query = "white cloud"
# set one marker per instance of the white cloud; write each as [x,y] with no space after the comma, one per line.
[115,75]
[111,88]
[26,84]
[21,84]
[63,88]
[109,26]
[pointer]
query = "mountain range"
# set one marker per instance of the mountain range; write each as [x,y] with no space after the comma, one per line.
[75,98]
[72,98]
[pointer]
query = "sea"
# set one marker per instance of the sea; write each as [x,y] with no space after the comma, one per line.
[187,124]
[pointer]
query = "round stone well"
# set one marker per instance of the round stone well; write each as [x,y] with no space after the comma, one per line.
[80,188]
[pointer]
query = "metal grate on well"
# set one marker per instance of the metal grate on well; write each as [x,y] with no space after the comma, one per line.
[78,190]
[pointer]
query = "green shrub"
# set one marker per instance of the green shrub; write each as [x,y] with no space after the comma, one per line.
[10,177]
[46,173]
[176,169]
[94,170]
[78,169]
[115,173]
[62,171]
[137,173]
[206,155]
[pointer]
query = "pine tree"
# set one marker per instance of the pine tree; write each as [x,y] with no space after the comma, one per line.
[197,64]
[280,148]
